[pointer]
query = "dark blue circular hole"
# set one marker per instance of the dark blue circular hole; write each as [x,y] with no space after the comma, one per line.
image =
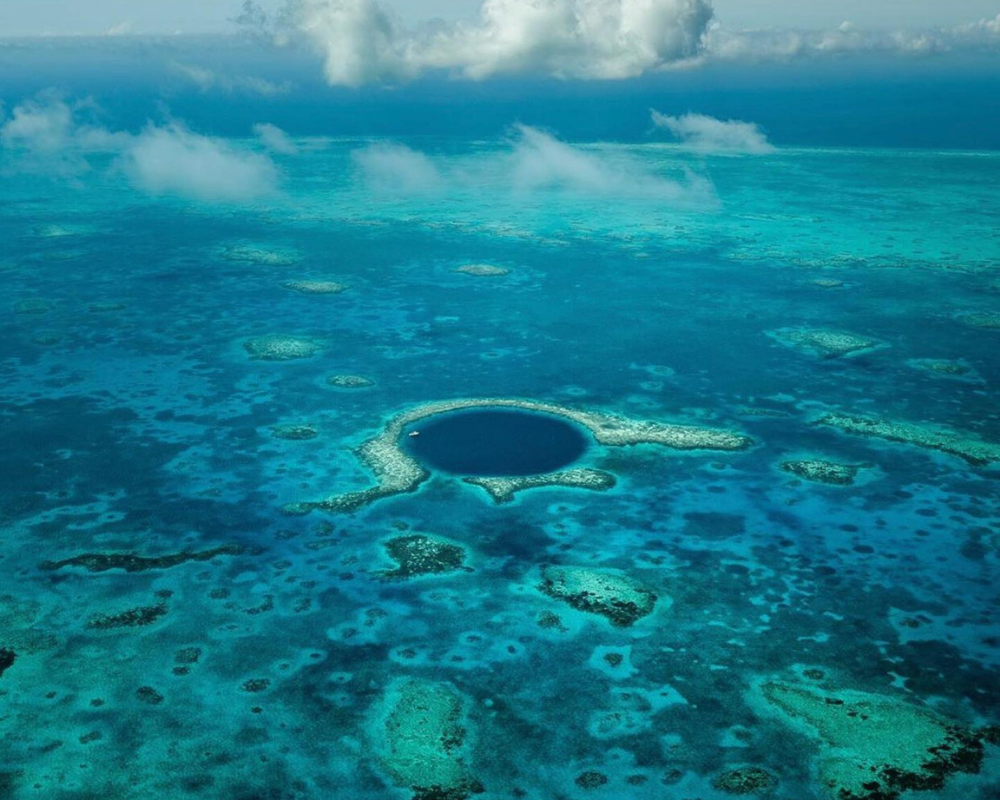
[495,442]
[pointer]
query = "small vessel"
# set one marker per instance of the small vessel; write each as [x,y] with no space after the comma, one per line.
[414,433]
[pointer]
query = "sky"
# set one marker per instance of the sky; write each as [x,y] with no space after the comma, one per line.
[70,17]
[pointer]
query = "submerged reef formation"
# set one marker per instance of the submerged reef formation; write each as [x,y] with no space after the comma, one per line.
[877,747]
[822,342]
[33,305]
[315,287]
[278,347]
[989,320]
[421,736]
[397,472]
[965,445]
[828,472]
[7,659]
[482,270]
[294,432]
[941,366]
[349,382]
[133,618]
[417,555]
[620,599]
[745,780]
[130,562]
[502,490]
[827,283]
[249,254]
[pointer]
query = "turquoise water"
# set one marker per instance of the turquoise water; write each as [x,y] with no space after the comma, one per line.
[140,436]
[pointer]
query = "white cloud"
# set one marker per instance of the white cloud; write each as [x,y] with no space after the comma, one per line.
[363,42]
[386,166]
[541,161]
[173,160]
[774,44]
[208,80]
[709,134]
[275,139]
[536,162]
[49,135]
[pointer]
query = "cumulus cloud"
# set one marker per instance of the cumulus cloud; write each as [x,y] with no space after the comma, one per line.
[711,135]
[173,160]
[275,139]
[361,41]
[51,135]
[387,166]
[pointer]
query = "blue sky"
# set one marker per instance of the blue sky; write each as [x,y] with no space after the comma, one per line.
[32,17]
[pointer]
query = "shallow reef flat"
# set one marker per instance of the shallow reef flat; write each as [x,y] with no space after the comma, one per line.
[877,747]
[620,599]
[280,347]
[966,446]
[821,471]
[824,343]
[483,270]
[397,472]
[421,737]
[503,489]
[315,287]
[265,256]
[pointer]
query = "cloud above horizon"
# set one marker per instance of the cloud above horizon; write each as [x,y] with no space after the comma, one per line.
[710,135]
[362,41]
[50,135]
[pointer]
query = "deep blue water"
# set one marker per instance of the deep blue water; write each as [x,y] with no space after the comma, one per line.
[496,442]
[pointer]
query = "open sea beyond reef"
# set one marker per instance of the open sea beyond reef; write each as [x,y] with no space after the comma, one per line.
[212,587]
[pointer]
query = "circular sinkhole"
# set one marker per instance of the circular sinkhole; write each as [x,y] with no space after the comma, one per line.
[494,442]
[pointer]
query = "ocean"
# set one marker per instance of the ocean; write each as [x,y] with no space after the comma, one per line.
[773,570]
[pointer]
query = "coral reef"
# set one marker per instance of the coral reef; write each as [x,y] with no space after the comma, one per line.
[294,433]
[102,562]
[148,695]
[616,597]
[315,287]
[421,737]
[744,780]
[277,347]
[827,283]
[989,320]
[7,659]
[877,747]
[33,305]
[828,472]
[822,342]
[349,382]
[248,254]
[397,472]
[482,270]
[502,490]
[106,307]
[134,617]
[590,779]
[966,446]
[941,366]
[417,555]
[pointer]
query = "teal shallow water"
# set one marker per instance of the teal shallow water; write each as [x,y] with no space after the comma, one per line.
[641,281]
